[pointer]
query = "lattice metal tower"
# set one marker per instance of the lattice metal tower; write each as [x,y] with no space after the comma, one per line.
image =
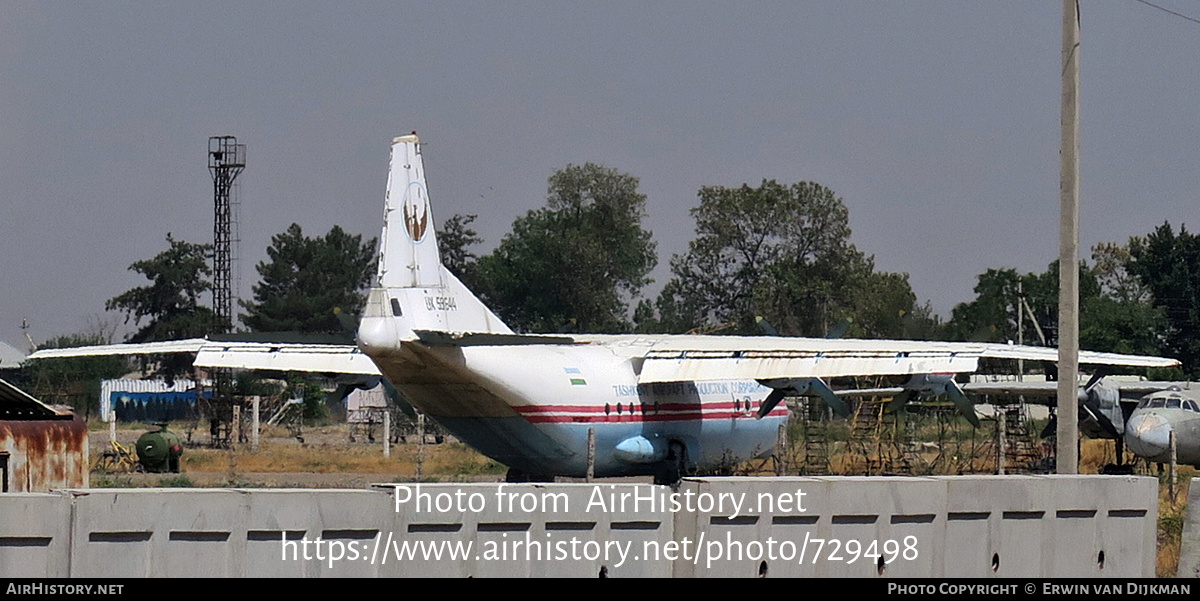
[226,161]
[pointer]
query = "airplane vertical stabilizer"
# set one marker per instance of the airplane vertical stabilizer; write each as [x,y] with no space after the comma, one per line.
[415,291]
[408,249]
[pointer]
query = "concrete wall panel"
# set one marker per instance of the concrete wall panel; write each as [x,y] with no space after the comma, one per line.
[1010,526]
[35,531]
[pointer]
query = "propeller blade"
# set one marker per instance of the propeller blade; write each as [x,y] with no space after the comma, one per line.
[829,396]
[1095,379]
[347,321]
[1051,428]
[769,403]
[1093,408]
[964,405]
[339,393]
[765,326]
[900,400]
[839,329]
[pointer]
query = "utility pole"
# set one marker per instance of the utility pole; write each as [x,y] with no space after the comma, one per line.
[1068,268]
[1020,326]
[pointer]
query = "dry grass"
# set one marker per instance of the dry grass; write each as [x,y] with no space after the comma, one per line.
[447,459]
[1094,454]
[1171,515]
[326,450]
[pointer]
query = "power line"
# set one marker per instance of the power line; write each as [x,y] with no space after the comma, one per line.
[1169,11]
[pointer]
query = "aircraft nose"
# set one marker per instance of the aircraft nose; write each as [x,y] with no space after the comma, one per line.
[1148,435]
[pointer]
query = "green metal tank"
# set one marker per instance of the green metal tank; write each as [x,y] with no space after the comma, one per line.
[159,451]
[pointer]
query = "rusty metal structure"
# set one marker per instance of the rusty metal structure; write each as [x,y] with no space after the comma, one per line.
[40,448]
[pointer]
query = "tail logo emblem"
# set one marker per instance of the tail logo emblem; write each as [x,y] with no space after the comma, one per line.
[416,214]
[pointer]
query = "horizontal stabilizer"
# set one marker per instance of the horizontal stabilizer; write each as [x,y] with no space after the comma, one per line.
[314,358]
[436,338]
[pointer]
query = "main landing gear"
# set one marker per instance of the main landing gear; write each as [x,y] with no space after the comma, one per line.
[1120,468]
[674,466]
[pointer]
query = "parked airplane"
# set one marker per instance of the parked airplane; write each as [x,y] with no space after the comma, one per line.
[1139,414]
[1148,429]
[656,405]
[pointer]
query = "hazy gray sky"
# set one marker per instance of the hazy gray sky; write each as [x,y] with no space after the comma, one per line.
[936,122]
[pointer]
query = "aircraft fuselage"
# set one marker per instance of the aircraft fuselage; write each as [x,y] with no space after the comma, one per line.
[531,407]
[1150,425]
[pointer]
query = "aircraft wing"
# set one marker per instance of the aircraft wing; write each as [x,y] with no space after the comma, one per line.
[190,345]
[684,358]
[666,359]
[869,392]
[1047,353]
[1128,389]
[316,358]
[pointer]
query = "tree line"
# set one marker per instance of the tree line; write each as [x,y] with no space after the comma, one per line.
[771,258]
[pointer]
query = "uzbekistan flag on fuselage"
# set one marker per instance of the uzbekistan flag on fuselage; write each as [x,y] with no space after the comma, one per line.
[576,376]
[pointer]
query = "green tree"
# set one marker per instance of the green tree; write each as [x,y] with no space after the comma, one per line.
[1111,262]
[1122,318]
[170,305]
[579,260]
[455,238]
[992,315]
[783,253]
[1114,316]
[886,307]
[1168,264]
[307,278]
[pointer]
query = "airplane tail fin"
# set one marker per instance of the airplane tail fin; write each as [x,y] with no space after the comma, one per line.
[415,292]
[408,250]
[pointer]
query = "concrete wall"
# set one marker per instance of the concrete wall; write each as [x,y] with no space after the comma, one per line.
[1027,526]
[35,535]
[964,526]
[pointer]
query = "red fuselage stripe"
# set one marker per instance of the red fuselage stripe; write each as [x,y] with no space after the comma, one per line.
[637,417]
[726,405]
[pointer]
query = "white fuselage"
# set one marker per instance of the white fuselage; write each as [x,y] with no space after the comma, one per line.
[531,406]
[1148,434]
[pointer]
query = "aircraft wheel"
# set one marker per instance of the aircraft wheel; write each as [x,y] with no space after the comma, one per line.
[1117,470]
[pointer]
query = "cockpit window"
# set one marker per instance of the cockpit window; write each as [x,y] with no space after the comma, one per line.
[1157,403]
[1173,404]
[1191,406]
